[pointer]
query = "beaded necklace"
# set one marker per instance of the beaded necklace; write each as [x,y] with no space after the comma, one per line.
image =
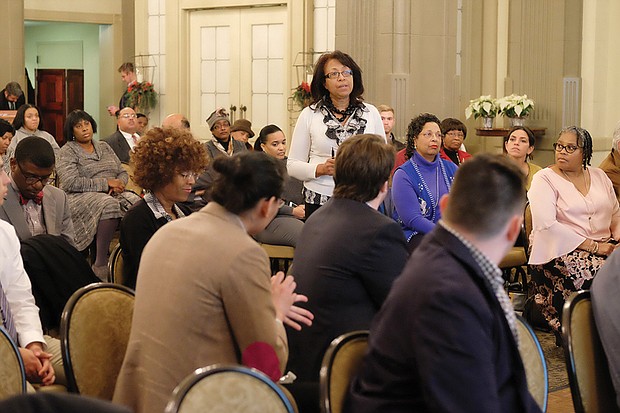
[434,202]
[340,115]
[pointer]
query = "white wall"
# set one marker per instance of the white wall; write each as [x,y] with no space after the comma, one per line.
[88,34]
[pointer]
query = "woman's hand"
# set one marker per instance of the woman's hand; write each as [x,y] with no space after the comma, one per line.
[115,186]
[605,249]
[299,212]
[326,168]
[284,297]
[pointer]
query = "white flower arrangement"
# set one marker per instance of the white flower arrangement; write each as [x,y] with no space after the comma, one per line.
[515,106]
[483,107]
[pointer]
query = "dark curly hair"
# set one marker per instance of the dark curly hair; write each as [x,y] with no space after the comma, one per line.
[415,128]
[584,141]
[162,153]
[317,87]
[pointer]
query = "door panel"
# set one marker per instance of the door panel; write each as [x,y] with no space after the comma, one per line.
[59,91]
[51,100]
[240,65]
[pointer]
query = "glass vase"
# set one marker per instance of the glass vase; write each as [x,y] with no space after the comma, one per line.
[487,123]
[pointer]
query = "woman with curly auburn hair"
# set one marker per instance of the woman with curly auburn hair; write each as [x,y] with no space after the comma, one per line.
[167,162]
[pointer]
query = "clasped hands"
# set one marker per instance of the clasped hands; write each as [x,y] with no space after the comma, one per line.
[37,364]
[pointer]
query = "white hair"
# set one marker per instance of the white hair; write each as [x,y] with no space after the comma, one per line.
[616,137]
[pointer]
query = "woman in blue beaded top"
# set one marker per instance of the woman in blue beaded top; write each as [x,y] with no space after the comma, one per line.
[422,180]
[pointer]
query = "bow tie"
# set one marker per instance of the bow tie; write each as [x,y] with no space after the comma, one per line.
[37,199]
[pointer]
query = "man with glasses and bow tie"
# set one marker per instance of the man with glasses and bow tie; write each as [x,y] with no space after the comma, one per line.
[31,205]
[40,215]
[19,313]
[125,138]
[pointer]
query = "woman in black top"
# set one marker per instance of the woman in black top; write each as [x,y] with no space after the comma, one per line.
[167,162]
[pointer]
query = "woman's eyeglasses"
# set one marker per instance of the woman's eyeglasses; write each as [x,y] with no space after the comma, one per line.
[558,147]
[335,74]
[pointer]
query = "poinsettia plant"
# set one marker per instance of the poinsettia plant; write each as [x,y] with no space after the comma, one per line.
[302,95]
[141,96]
[515,106]
[482,107]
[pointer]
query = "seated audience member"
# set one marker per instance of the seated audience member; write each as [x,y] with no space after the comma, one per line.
[446,338]
[40,215]
[7,131]
[220,145]
[167,162]
[241,131]
[518,146]
[272,141]
[575,222]
[422,180]
[611,164]
[454,134]
[176,120]
[606,306]
[143,123]
[94,180]
[27,122]
[348,256]
[125,138]
[32,206]
[12,97]
[20,315]
[387,117]
[204,290]
[286,227]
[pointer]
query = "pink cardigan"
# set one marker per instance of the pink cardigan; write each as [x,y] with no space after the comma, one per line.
[560,214]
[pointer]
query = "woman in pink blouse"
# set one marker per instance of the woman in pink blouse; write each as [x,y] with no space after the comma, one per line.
[576,220]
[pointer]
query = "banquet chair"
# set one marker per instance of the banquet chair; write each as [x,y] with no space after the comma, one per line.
[534,363]
[94,331]
[588,373]
[341,362]
[12,373]
[278,254]
[115,265]
[219,388]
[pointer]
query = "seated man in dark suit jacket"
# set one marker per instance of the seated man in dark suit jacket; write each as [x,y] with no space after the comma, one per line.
[32,206]
[12,96]
[446,338]
[125,138]
[346,259]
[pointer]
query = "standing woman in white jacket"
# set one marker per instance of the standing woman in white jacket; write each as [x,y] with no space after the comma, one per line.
[337,112]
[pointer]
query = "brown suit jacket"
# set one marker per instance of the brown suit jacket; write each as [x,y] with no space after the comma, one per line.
[203,296]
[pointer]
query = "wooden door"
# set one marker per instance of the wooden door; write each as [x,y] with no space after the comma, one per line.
[51,101]
[59,91]
[237,61]
[75,90]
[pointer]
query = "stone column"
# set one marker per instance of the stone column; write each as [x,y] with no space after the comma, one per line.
[12,45]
